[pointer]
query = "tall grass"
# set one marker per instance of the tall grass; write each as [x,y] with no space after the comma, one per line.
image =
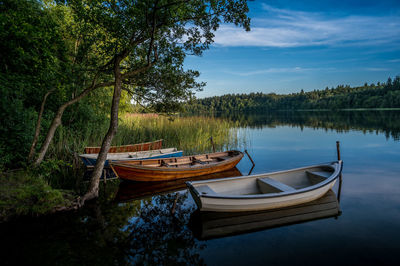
[190,134]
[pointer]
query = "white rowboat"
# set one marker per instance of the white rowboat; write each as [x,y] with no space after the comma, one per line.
[90,159]
[265,191]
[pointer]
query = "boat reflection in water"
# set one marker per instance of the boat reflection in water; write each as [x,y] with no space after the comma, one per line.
[207,225]
[131,190]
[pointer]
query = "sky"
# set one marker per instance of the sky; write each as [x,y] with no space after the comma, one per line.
[307,45]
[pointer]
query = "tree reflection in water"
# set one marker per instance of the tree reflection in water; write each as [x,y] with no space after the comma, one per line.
[386,122]
[137,232]
[160,234]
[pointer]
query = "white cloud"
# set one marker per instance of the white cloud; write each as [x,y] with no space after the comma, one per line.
[288,28]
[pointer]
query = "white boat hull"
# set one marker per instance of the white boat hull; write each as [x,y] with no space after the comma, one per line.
[238,193]
[234,205]
[90,159]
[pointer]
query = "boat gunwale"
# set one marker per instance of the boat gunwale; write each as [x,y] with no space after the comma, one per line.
[337,171]
[95,155]
[178,169]
[127,145]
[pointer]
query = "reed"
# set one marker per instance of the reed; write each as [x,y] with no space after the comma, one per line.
[63,168]
[190,134]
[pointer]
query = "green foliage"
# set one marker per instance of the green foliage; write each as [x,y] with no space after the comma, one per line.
[40,50]
[22,193]
[342,97]
[64,45]
[137,33]
[48,167]
[31,54]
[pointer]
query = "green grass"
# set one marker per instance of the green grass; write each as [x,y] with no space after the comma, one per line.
[24,194]
[191,134]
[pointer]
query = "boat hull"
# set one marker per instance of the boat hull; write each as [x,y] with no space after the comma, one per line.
[245,193]
[146,146]
[92,161]
[235,205]
[156,174]
[208,225]
[138,190]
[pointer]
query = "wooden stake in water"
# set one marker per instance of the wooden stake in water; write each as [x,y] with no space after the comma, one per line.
[340,176]
[338,150]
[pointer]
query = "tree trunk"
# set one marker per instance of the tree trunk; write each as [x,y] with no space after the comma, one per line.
[37,130]
[50,134]
[57,118]
[93,190]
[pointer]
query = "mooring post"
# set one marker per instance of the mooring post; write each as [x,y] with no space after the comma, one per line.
[340,176]
[212,143]
[338,150]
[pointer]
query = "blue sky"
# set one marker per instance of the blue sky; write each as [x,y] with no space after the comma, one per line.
[307,45]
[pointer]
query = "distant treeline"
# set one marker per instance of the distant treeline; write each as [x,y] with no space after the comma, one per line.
[380,95]
[379,121]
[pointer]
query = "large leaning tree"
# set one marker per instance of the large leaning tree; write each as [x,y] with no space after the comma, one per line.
[143,45]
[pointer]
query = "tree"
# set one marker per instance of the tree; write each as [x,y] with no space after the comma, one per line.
[145,43]
[32,62]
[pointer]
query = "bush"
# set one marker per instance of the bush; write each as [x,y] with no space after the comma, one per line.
[23,194]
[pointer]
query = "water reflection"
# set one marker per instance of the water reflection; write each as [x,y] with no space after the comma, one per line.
[207,225]
[159,236]
[386,122]
[152,223]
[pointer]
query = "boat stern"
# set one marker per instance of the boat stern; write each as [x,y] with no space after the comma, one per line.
[195,195]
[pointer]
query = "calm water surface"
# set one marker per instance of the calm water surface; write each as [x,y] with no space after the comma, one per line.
[141,228]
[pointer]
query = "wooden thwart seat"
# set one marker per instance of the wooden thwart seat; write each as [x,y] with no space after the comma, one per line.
[269,185]
[316,177]
[202,160]
[178,163]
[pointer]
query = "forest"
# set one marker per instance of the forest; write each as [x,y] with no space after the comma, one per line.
[380,95]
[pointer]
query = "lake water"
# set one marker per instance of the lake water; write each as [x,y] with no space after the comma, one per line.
[147,225]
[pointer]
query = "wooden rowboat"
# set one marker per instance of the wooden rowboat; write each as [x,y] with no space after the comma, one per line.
[91,158]
[176,168]
[146,146]
[132,190]
[265,191]
[207,225]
